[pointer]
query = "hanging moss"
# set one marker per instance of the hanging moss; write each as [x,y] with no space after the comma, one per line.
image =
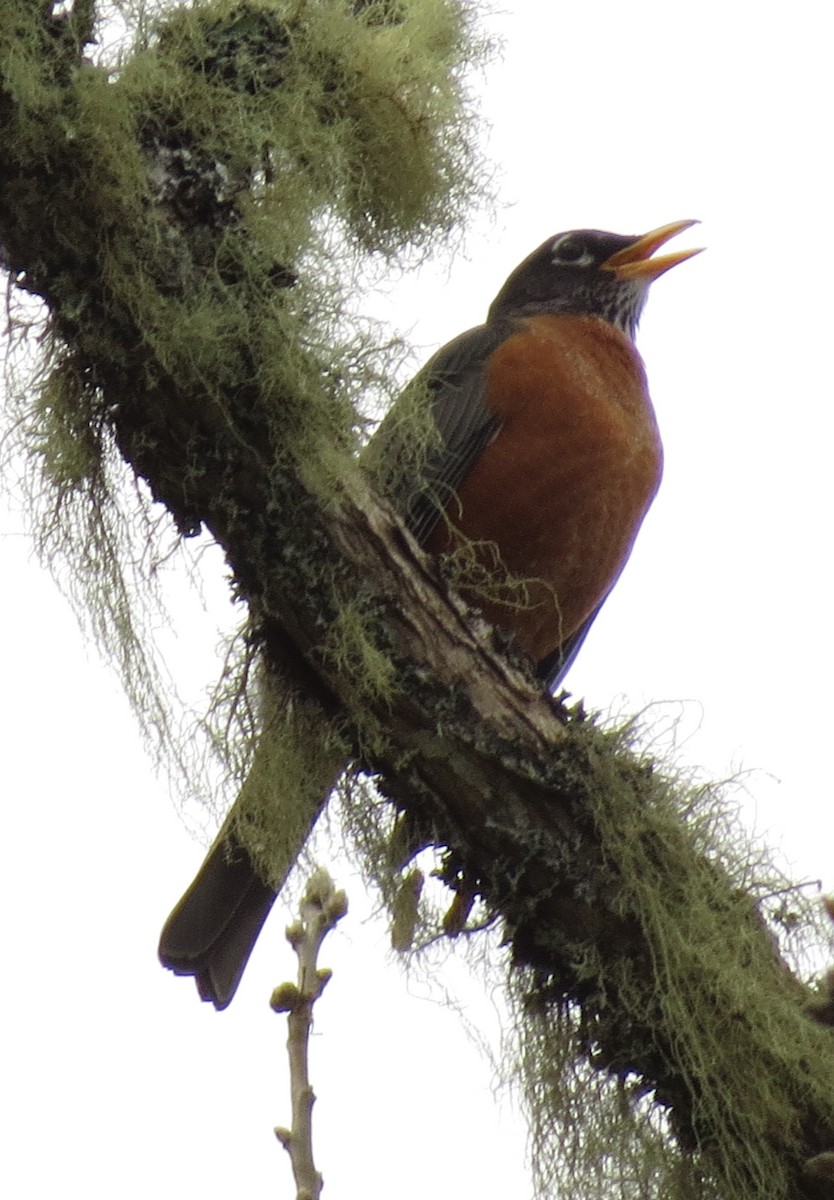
[193,207]
[679,1071]
[663,1047]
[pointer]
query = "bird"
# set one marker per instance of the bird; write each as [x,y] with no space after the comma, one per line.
[542,458]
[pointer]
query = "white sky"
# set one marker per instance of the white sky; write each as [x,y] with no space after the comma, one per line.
[604,115]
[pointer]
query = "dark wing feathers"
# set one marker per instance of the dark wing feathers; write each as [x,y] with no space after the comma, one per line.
[421,480]
[555,667]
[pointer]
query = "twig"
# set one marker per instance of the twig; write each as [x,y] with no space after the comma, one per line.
[321,907]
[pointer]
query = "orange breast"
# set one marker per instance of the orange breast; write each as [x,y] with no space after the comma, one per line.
[562,490]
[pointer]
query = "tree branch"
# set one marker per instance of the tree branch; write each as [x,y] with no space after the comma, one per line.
[182,340]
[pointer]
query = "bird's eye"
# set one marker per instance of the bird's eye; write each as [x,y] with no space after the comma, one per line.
[572,251]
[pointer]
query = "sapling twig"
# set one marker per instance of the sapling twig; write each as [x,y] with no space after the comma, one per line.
[321,907]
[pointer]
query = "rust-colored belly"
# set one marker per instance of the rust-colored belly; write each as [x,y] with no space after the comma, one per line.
[562,490]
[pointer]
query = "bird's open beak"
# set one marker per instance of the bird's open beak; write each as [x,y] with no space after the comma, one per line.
[635,261]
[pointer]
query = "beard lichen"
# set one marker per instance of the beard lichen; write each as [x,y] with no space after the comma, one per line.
[688,1070]
[192,190]
[659,1033]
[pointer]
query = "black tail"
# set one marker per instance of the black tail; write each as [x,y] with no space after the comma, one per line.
[213,929]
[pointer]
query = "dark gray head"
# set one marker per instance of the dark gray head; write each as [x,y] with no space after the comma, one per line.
[591,274]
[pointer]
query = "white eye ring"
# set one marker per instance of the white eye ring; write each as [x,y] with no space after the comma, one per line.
[582,260]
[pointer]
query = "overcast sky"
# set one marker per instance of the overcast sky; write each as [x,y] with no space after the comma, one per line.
[605,115]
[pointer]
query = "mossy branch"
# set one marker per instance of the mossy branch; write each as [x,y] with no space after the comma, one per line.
[175,218]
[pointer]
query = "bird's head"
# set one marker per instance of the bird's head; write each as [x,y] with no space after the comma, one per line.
[590,273]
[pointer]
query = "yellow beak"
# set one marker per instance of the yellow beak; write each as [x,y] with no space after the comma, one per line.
[635,261]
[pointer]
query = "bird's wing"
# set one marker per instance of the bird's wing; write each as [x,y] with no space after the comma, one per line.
[555,667]
[436,431]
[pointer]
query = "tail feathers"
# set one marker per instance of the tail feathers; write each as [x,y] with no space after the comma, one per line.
[213,929]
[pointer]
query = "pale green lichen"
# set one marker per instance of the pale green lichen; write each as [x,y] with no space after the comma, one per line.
[704,1001]
[207,182]
[750,1059]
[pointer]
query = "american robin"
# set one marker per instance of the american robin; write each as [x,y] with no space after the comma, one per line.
[542,459]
